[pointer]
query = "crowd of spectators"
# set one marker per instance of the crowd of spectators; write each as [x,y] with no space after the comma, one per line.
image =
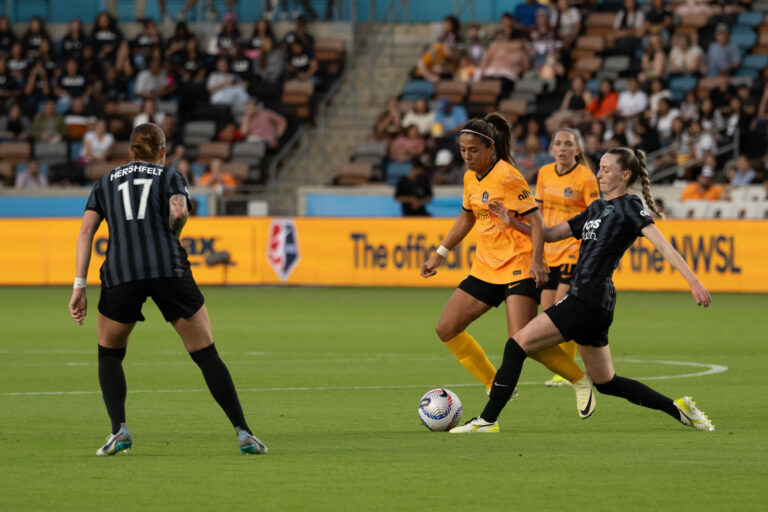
[680,84]
[86,91]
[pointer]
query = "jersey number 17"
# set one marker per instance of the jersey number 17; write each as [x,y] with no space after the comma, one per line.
[145,183]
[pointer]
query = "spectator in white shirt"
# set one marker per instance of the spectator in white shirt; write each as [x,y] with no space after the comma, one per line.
[684,57]
[662,121]
[96,144]
[632,101]
[420,116]
[742,174]
[225,87]
[702,143]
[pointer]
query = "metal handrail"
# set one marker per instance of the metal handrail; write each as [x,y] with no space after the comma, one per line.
[283,153]
[679,170]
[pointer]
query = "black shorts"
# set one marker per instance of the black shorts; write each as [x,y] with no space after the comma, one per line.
[495,294]
[562,274]
[576,320]
[175,297]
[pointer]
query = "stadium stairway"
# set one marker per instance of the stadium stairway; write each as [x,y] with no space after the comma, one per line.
[377,72]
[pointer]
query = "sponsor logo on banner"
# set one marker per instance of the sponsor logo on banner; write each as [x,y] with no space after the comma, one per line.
[283,247]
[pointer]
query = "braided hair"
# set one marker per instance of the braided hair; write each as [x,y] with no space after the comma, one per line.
[633,160]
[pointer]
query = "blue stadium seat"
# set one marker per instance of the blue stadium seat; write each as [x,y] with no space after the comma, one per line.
[682,84]
[197,169]
[593,86]
[22,167]
[74,150]
[758,62]
[743,37]
[742,71]
[416,89]
[751,18]
[396,170]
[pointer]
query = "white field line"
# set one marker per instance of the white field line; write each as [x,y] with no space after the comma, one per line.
[709,369]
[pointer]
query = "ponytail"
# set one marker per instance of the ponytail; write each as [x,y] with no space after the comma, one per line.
[147,142]
[633,160]
[493,129]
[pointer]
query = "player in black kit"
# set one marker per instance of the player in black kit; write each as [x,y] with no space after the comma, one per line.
[146,206]
[608,227]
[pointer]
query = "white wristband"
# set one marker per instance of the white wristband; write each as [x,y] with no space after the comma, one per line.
[443,251]
[80,282]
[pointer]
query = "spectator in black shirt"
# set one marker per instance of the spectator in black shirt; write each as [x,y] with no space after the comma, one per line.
[414,191]
[18,64]
[192,67]
[659,16]
[7,36]
[301,34]
[301,63]
[34,36]
[149,39]
[71,84]
[178,42]
[111,86]
[722,94]
[106,37]
[608,227]
[229,35]
[14,126]
[10,88]
[72,43]
[262,29]
[37,88]
[240,64]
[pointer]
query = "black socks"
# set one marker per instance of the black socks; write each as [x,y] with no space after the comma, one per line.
[112,381]
[220,384]
[506,380]
[640,394]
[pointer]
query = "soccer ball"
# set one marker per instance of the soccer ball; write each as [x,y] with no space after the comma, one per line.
[440,410]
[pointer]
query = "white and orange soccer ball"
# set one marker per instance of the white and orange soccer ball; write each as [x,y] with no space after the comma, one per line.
[440,409]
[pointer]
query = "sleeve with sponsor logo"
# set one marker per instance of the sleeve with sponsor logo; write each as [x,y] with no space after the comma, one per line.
[518,196]
[637,215]
[94,200]
[591,190]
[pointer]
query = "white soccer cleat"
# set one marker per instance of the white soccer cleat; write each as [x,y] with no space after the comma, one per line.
[691,416]
[476,426]
[250,444]
[585,397]
[116,442]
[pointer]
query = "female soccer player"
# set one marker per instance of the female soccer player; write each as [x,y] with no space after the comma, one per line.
[146,207]
[608,227]
[508,266]
[563,189]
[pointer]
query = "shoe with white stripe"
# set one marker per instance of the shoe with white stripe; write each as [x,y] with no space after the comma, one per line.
[585,397]
[691,416]
[116,442]
[476,426]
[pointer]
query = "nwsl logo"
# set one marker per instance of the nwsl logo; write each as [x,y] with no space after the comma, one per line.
[283,247]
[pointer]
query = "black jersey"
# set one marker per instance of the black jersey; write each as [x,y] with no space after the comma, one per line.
[607,229]
[134,200]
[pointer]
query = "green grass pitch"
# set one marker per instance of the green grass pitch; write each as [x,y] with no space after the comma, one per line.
[330,380]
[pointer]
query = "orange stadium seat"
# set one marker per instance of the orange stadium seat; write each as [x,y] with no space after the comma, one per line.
[98,169]
[128,109]
[454,90]
[238,170]
[6,173]
[516,106]
[297,96]
[483,96]
[355,173]
[594,43]
[585,67]
[697,20]
[598,23]
[15,152]
[119,151]
[329,53]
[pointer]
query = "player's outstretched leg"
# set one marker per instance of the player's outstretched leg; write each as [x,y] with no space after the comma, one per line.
[683,410]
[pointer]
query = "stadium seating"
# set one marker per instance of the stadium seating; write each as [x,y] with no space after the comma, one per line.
[6,173]
[396,170]
[330,55]
[297,96]
[416,89]
[15,152]
[98,169]
[198,132]
[483,96]
[751,18]
[454,90]
[207,151]
[355,173]
[251,152]
[55,153]
[238,170]
[119,151]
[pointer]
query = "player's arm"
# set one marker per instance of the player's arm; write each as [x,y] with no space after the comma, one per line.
[700,294]
[461,227]
[78,304]
[179,213]
[537,270]
[551,233]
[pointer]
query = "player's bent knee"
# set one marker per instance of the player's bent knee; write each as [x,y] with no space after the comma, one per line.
[446,332]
